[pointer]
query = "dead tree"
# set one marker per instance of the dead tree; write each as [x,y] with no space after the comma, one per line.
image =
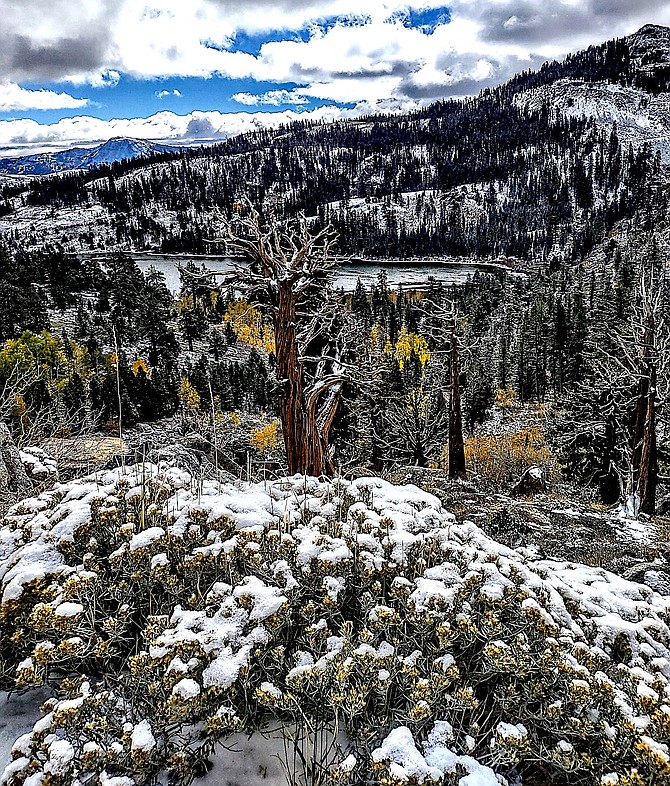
[639,368]
[457,467]
[447,334]
[288,274]
[650,359]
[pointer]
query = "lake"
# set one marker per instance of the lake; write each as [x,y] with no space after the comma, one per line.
[411,273]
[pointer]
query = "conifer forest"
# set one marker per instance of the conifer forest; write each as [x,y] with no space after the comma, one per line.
[338,453]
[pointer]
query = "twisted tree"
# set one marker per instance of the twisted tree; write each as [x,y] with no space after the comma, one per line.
[288,274]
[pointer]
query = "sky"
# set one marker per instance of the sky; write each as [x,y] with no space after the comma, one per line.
[186,71]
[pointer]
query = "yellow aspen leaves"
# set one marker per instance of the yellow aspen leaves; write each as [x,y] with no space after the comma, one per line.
[188,395]
[247,324]
[266,437]
[140,365]
[407,344]
[505,398]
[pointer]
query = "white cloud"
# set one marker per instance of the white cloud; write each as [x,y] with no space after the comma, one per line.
[17,136]
[14,98]
[168,93]
[377,59]
[272,98]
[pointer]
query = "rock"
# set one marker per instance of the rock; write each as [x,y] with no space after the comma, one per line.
[650,573]
[38,465]
[531,482]
[197,442]
[14,481]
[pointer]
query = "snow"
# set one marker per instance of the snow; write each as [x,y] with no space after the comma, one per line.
[39,465]
[582,609]
[142,738]
[61,754]
[406,763]
[641,117]
[511,731]
[68,609]
[146,538]
[18,713]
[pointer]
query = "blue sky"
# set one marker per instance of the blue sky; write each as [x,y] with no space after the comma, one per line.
[80,71]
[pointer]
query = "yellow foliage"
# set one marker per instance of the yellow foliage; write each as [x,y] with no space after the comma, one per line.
[140,365]
[407,344]
[81,360]
[185,303]
[375,336]
[188,395]
[19,409]
[505,398]
[32,353]
[247,324]
[266,437]
[503,457]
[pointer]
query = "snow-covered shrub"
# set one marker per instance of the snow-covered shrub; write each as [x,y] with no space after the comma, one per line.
[168,614]
[39,465]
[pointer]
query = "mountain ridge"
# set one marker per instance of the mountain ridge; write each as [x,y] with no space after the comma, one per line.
[112,150]
[539,168]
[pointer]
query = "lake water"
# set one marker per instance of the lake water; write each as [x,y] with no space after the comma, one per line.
[410,273]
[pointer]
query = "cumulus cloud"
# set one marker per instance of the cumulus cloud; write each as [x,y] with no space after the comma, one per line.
[329,49]
[14,98]
[168,93]
[80,40]
[17,136]
[272,98]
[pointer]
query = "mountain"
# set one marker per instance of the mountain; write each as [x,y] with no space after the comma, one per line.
[633,92]
[116,149]
[539,169]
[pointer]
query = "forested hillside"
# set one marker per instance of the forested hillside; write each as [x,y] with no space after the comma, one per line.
[493,176]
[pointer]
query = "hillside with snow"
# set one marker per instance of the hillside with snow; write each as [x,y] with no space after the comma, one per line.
[639,117]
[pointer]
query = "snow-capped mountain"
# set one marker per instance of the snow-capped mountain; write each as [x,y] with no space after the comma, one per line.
[116,149]
[639,116]
[637,98]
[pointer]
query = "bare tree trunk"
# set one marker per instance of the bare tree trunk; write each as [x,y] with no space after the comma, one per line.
[644,460]
[456,445]
[648,467]
[305,427]
[290,379]
[285,262]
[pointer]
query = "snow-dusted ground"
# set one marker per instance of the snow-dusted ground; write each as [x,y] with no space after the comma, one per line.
[18,713]
[301,532]
[245,761]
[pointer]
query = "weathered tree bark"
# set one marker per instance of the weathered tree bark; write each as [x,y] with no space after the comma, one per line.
[457,467]
[305,424]
[644,460]
[648,464]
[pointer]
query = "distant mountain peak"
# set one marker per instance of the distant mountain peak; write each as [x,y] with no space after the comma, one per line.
[651,29]
[117,148]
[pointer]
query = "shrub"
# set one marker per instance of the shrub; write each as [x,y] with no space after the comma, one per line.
[167,614]
[501,458]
